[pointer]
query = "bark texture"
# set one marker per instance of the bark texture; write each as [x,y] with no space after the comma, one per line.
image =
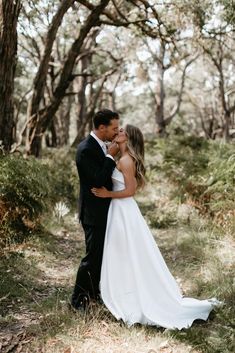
[9,12]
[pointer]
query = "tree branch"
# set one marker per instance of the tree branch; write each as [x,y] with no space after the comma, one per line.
[40,78]
[66,74]
[179,100]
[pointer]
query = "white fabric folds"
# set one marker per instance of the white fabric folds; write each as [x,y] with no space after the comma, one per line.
[136,284]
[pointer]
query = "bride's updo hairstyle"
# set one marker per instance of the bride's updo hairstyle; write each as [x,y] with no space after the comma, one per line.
[135,146]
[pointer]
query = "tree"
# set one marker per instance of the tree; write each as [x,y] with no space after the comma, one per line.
[39,121]
[216,39]
[40,118]
[218,58]
[169,47]
[9,12]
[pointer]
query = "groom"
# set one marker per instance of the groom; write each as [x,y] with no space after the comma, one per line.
[95,165]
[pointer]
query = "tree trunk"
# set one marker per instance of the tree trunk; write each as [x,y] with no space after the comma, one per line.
[160,91]
[81,98]
[227,122]
[224,103]
[86,62]
[33,144]
[95,95]
[160,96]
[9,12]
[62,122]
[40,121]
[41,76]
[51,135]
[218,62]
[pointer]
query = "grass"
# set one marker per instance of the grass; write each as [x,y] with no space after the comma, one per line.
[37,278]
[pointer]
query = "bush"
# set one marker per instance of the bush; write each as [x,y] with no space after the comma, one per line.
[63,176]
[24,191]
[29,187]
[203,171]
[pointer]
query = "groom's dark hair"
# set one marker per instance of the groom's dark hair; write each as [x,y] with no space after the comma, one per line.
[104,117]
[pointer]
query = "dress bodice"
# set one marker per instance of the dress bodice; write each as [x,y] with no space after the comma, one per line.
[118,180]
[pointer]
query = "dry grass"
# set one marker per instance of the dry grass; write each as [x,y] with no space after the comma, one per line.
[97,332]
[38,276]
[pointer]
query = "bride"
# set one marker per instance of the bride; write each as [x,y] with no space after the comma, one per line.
[136,284]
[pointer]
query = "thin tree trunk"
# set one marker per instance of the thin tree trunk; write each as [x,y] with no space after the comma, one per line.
[81,98]
[218,62]
[41,76]
[9,12]
[160,96]
[63,122]
[33,139]
[43,117]
[227,121]
[86,62]
[51,135]
[94,98]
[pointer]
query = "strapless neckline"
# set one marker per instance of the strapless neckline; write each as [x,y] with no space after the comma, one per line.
[117,171]
[118,180]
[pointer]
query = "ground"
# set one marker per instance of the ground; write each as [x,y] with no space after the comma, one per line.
[37,278]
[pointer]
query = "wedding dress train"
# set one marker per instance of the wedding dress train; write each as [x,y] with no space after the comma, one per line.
[136,284]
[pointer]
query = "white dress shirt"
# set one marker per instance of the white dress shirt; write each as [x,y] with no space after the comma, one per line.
[102,144]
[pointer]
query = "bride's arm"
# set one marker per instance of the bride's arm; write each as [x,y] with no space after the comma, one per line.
[126,165]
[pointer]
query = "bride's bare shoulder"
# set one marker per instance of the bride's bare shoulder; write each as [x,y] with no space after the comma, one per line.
[126,162]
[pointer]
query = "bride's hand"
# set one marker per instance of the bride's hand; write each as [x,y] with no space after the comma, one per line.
[100,192]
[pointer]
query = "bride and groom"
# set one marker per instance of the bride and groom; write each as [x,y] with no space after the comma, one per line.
[123,264]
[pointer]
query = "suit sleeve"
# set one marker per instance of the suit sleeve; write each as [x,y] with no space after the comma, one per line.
[95,174]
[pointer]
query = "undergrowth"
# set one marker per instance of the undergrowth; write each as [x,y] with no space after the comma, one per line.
[30,187]
[204,173]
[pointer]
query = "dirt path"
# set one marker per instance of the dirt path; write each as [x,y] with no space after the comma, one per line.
[55,257]
[37,318]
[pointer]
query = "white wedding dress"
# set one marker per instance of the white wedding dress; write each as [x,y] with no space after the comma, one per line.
[136,284]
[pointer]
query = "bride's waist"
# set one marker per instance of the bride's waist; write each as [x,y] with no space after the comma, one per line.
[118,188]
[123,199]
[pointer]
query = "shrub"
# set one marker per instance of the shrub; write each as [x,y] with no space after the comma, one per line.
[24,191]
[63,176]
[28,187]
[203,171]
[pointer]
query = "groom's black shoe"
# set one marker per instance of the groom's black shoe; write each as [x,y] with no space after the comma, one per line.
[81,304]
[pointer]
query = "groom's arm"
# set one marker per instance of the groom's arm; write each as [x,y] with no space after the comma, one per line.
[95,174]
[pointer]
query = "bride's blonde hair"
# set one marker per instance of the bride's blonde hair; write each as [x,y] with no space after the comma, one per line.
[135,146]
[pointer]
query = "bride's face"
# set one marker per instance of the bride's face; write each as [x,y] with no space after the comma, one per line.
[122,136]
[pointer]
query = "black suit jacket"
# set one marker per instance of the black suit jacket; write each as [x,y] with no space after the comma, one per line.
[95,170]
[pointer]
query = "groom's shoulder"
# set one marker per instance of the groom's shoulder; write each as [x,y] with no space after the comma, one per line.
[87,143]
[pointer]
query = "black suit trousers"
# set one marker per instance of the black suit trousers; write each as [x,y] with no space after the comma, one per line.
[88,275]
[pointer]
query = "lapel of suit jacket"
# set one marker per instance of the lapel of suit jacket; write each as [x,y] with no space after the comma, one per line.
[92,142]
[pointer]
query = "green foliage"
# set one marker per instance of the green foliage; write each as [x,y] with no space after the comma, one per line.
[217,334]
[36,278]
[29,186]
[203,171]
[228,11]
[156,217]
[24,191]
[17,281]
[23,183]
[63,175]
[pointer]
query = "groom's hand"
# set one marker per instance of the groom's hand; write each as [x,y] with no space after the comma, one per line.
[113,149]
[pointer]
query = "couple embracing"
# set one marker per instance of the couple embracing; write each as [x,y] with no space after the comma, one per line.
[123,266]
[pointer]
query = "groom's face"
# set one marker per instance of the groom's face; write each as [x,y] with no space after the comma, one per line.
[111,130]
